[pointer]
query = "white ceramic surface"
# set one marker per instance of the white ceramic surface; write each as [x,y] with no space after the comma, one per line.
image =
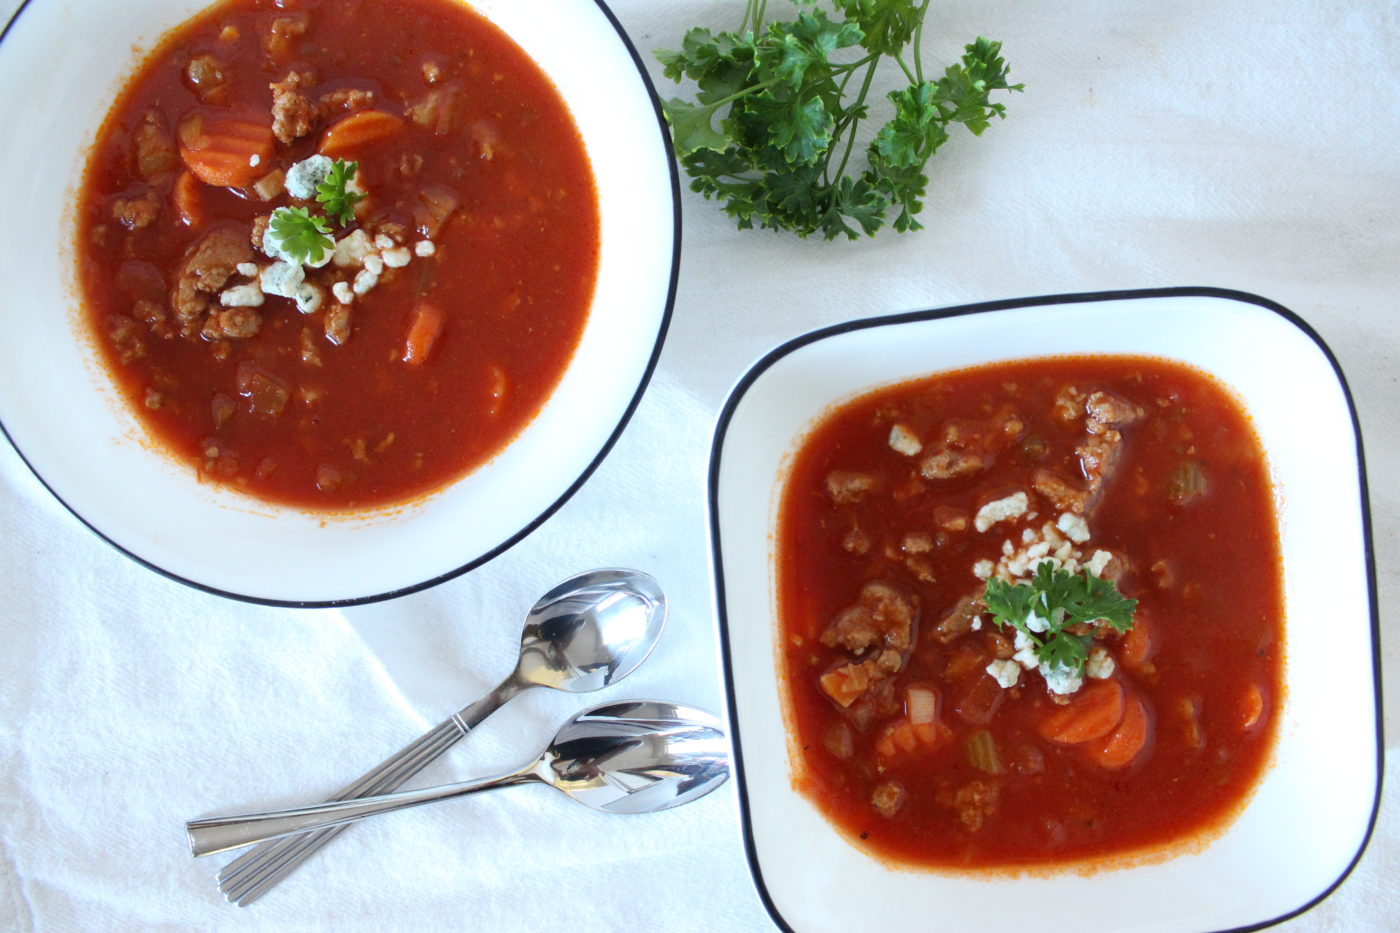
[60,60]
[1313,810]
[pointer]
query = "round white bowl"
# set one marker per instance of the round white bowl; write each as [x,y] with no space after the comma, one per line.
[1307,822]
[61,64]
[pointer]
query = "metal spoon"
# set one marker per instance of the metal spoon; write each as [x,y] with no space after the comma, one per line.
[589,631]
[634,757]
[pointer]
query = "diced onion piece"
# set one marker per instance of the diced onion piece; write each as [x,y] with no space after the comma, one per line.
[436,204]
[923,705]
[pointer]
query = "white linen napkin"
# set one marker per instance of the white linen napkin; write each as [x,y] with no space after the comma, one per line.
[1249,145]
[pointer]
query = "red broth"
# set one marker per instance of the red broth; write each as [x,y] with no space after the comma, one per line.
[904,739]
[433,369]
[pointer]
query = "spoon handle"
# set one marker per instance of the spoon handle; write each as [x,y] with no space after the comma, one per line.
[220,834]
[251,875]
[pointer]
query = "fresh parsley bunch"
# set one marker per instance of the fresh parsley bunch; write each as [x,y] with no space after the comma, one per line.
[1062,599]
[789,97]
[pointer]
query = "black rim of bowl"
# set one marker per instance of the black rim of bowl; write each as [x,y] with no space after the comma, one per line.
[567,494]
[717,563]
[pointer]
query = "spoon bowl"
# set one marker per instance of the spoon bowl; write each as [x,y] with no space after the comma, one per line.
[637,756]
[591,630]
[632,757]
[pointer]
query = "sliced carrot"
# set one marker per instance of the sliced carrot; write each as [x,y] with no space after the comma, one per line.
[902,736]
[845,684]
[1127,741]
[1093,713]
[185,195]
[1137,646]
[349,133]
[228,152]
[423,331]
[1253,707]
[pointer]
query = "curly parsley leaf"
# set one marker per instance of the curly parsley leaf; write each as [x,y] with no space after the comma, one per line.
[1061,600]
[777,107]
[888,24]
[304,237]
[335,193]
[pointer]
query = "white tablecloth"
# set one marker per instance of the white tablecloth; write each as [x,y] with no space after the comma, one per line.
[1252,144]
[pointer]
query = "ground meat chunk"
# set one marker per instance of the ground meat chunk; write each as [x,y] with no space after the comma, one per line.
[883,615]
[856,542]
[439,109]
[293,114]
[148,311]
[397,232]
[208,264]
[260,225]
[966,448]
[344,100]
[232,324]
[846,487]
[139,210]
[1107,410]
[975,801]
[957,621]
[888,798]
[1068,406]
[284,32]
[125,336]
[951,464]
[337,324]
[155,147]
[1063,494]
[1097,453]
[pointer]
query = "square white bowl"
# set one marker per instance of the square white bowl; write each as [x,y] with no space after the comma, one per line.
[1312,813]
[63,63]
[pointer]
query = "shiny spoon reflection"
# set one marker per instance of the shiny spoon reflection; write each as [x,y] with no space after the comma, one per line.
[631,757]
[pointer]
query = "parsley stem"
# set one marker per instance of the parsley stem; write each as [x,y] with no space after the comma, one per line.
[738,94]
[919,43]
[854,118]
[907,73]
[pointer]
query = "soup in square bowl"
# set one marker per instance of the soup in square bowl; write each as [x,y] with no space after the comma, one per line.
[1032,612]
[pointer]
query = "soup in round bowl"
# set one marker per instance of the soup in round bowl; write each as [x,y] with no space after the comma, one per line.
[319,306]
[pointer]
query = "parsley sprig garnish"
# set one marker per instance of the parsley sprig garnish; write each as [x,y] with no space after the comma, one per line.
[303,236]
[335,193]
[787,120]
[1062,599]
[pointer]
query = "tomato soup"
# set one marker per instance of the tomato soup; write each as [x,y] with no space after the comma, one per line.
[934,732]
[337,254]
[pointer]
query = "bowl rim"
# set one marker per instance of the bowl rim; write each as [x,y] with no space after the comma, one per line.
[764,363]
[538,520]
